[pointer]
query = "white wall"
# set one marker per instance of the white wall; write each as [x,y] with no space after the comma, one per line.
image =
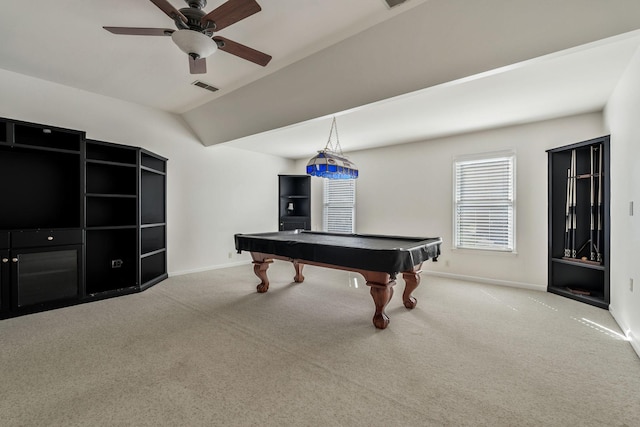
[621,115]
[408,190]
[212,193]
[218,191]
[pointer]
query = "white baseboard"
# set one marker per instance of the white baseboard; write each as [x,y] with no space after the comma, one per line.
[633,340]
[209,268]
[635,344]
[512,284]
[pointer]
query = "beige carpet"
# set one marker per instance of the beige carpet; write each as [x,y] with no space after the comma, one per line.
[206,349]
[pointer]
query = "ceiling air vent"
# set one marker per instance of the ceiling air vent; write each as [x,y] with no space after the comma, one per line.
[203,85]
[393,3]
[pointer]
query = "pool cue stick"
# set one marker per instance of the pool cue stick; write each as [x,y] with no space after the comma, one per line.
[567,223]
[592,254]
[573,203]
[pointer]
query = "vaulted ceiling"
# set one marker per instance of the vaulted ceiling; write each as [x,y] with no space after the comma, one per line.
[423,69]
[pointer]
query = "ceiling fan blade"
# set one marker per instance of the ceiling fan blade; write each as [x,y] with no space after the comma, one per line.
[140,31]
[231,12]
[171,11]
[197,66]
[242,51]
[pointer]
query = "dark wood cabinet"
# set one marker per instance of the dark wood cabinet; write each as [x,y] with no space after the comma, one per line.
[74,213]
[40,269]
[40,168]
[41,217]
[111,194]
[153,225]
[44,277]
[579,192]
[4,269]
[294,208]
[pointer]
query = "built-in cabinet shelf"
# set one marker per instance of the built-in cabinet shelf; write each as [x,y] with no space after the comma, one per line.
[294,204]
[80,220]
[579,222]
[40,137]
[111,194]
[153,226]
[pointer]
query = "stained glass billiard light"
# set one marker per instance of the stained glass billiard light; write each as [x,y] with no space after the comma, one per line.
[330,162]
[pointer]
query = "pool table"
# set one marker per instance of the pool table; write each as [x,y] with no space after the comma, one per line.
[378,258]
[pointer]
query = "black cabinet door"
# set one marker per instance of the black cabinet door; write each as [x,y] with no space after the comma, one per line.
[4,280]
[44,275]
[299,224]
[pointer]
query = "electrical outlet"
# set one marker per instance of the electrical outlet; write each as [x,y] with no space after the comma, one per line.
[116,263]
[230,255]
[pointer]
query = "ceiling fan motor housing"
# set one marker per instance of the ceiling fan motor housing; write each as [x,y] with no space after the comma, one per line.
[198,4]
[194,20]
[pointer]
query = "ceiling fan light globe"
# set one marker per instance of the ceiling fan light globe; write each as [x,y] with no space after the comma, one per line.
[194,43]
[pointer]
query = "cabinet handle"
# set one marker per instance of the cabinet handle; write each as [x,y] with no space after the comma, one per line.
[50,238]
[5,259]
[14,259]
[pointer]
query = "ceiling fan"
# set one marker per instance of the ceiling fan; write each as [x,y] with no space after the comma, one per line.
[196,28]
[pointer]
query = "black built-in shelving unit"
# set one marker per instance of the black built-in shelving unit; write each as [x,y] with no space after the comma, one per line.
[294,206]
[111,194]
[153,219]
[579,221]
[70,223]
[41,237]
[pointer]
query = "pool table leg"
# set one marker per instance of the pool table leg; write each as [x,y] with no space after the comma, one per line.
[260,267]
[411,280]
[381,296]
[298,278]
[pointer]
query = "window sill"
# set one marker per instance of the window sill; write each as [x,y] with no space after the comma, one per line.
[491,252]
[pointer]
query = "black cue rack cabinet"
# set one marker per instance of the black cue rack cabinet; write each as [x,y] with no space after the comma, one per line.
[294,204]
[70,222]
[579,221]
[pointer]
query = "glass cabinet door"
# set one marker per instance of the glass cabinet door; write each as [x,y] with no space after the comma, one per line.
[43,275]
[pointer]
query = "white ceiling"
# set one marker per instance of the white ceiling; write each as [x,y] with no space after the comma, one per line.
[460,65]
[555,85]
[63,41]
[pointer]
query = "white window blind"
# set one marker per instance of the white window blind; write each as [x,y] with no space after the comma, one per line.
[339,205]
[484,203]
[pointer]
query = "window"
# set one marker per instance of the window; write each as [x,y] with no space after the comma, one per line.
[339,205]
[484,202]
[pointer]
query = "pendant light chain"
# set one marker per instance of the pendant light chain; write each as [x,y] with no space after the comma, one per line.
[329,146]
